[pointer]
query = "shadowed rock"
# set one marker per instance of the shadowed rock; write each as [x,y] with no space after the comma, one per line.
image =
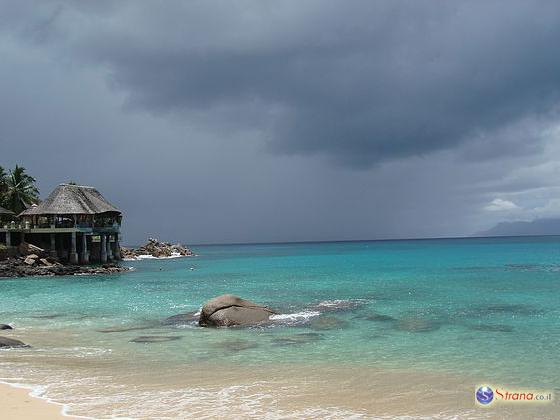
[491,328]
[5,327]
[294,339]
[412,324]
[328,323]
[6,342]
[231,311]
[182,319]
[154,339]
[120,328]
[237,345]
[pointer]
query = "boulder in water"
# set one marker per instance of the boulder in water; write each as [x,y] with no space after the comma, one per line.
[5,327]
[6,342]
[232,311]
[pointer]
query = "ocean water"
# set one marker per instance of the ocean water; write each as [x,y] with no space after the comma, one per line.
[381,329]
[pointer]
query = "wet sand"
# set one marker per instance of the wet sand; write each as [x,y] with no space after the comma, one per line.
[17,404]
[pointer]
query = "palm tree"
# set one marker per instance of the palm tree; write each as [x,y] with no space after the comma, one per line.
[20,191]
[3,185]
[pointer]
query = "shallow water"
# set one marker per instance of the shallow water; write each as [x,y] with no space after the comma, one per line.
[366,329]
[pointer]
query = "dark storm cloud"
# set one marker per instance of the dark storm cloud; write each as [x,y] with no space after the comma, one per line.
[358,81]
[444,106]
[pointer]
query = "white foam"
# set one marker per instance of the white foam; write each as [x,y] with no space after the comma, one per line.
[151,257]
[296,316]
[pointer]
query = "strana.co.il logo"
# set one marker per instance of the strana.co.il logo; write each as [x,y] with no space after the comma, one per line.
[485,395]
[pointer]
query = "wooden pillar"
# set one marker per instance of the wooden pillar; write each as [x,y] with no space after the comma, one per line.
[103,249]
[116,248]
[85,252]
[8,239]
[109,250]
[52,251]
[73,253]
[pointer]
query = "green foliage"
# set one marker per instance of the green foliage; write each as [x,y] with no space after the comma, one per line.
[17,189]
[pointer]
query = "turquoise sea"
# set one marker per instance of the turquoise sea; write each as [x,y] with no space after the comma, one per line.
[380,329]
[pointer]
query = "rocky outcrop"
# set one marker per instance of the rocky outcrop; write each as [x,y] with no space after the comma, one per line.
[232,311]
[32,265]
[5,327]
[6,342]
[156,249]
[25,249]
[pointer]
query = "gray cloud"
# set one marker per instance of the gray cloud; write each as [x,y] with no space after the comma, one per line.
[438,105]
[360,82]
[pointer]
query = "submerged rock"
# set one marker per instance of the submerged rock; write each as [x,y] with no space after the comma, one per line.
[182,319]
[374,316]
[124,328]
[6,342]
[237,345]
[492,328]
[154,339]
[328,323]
[231,311]
[48,316]
[493,309]
[295,339]
[413,324]
[5,327]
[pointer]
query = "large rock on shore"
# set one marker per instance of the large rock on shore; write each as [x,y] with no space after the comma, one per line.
[6,342]
[26,249]
[231,311]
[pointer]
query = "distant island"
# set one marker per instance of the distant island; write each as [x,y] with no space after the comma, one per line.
[536,227]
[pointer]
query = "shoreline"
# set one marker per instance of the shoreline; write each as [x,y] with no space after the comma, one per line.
[19,402]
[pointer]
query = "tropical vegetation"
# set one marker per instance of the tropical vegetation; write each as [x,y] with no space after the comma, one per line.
[17,189]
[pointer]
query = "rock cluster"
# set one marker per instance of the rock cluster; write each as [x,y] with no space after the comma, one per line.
[32,265]
[156,249]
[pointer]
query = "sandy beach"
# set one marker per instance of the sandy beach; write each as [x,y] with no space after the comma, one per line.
[17,404]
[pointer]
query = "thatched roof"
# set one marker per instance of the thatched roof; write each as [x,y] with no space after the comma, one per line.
[5,211]
[72,199]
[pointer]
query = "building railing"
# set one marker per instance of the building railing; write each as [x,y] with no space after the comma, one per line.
[59,225]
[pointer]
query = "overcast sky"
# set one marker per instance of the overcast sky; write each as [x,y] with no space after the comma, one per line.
[257,121]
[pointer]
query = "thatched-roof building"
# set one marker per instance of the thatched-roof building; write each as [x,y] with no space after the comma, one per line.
[6,212]
[69,199]
[73,220]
